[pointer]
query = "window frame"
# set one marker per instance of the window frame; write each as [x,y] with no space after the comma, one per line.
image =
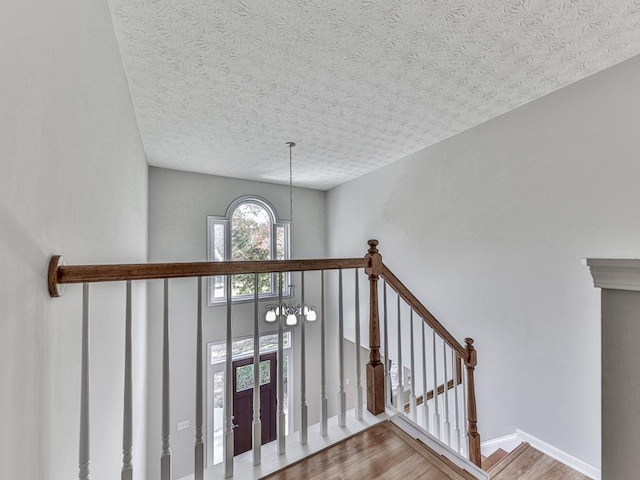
[226,223]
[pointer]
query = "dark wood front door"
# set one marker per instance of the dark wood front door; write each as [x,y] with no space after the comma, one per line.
[243,401]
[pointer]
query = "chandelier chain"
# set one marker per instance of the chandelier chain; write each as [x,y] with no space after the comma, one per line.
[291,145]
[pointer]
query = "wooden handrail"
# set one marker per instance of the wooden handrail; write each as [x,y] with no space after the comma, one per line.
[64,274]
[421,310]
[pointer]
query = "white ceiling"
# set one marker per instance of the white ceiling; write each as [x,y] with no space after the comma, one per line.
[219,86]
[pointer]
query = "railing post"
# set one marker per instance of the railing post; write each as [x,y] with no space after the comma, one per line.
[165,458]
[127,418]
[85,437]
[472,414]
[199,445]
[375,368]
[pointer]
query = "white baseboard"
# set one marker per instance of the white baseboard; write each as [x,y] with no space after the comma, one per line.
[563,457]
[506,443]
[509,442]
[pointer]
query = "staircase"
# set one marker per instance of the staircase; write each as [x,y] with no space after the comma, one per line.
[387,451]
[527,463]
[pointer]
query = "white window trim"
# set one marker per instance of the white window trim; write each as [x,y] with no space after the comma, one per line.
[276,222]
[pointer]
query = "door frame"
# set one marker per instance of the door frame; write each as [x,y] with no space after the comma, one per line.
[218,367]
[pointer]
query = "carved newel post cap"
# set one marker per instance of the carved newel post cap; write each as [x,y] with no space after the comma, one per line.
[372,246]
[469,342]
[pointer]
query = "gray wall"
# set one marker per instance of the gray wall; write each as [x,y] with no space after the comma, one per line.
[488,229]
[179,204]
[73,182]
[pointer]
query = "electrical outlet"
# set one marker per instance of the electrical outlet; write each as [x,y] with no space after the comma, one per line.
[346,381]
[183,425]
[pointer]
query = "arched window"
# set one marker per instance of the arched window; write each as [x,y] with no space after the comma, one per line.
[250,230]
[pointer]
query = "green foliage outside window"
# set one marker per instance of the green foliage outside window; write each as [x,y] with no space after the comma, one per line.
[250,240]
[244,375]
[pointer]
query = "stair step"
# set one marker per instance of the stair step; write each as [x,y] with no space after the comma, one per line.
[445,465]
[493,459]
[506,461]
[527,463]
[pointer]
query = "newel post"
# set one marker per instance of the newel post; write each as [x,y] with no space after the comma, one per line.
[375,368]
[472,413]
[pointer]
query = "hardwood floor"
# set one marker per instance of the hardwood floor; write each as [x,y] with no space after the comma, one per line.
[382,452]
[386,452]
[493,459]
[527,463]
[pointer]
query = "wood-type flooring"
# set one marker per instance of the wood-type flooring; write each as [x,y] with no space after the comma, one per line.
[386,452]
[382,452]
[527,463]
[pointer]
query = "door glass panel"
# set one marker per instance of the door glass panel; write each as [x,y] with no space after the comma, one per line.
[244,375]
[218,412]
[265,372]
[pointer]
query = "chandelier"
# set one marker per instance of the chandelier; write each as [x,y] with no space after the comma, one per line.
[290,312]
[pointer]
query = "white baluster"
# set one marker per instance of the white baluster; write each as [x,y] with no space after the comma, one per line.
[127,419]
[199,446]
[323,364]
[282,446]
[303,371]
[400,396]
[359,399]
[412,393]
[342,396]
[84,457]
[257,423]
[228,389]
[456,412]
[436,413]
[387,361]
[165,458]
[425,389]
[446,425]
[465,437]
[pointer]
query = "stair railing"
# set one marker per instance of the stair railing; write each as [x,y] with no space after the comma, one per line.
[437,419]
[377,372]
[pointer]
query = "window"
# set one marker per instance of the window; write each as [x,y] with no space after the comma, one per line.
[249,231]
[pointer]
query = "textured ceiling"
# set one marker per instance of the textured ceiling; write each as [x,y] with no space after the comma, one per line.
[219,86]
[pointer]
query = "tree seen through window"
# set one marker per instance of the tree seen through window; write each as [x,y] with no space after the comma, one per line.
[250,232]
[250,240]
